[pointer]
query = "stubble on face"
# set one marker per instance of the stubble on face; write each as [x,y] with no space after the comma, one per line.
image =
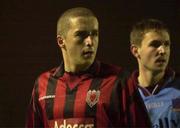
[76,50]
[150,58]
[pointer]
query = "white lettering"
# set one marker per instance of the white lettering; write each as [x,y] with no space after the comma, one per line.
[81,125]
[69,126]
[75,126]
[64,125]
[55,125]
[154,105]
[46,97]
[89,126]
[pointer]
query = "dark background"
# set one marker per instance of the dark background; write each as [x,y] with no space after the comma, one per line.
[28,42]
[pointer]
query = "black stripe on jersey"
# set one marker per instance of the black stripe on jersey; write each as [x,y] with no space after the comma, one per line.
[69,102]
[38,112]
[133,98]
[115,105]
[95,85]
[123,79]
[59,71]
[49,103]
[161,123]
[166,121]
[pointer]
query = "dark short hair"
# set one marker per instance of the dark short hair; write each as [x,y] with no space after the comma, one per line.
[141,28]
[63,23]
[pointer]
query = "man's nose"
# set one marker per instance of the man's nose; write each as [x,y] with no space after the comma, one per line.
[162,49]
[89,40]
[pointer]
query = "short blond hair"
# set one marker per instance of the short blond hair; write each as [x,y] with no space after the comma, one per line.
[63,23]
[141,28]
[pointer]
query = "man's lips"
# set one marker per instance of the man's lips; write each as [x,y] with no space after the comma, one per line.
[88,53]
[161,60]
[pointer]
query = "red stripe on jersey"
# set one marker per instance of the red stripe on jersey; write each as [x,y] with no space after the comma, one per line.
[30,114]
[42,88]
[59,101]
[133,111]
[125,93]
[104,101]
[80,100]
[137,106]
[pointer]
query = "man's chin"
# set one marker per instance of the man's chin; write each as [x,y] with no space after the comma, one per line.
[87,63]
[160,69]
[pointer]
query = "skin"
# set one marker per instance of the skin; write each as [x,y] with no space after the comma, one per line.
[152,56]
[79,45]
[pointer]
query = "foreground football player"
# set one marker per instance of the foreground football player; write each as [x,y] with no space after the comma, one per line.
[158,84]
[83,92]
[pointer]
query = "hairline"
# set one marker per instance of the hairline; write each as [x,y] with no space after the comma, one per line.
[64,20]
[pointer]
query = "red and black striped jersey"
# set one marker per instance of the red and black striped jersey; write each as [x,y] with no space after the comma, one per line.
[99,97]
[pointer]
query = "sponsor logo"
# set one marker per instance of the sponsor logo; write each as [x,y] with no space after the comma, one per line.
[155,105]
[92,97]
[46,97]
[72,123]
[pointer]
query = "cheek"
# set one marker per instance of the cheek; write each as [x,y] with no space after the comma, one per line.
[96,45]
[73,45]
[168,55]
[96,42]
[75,50]
[169,51]
[146,55]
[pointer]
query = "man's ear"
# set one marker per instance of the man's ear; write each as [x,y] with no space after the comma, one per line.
[60,41]
[134,51]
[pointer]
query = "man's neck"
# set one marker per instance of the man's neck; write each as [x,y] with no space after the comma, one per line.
[149,78]
[75,69]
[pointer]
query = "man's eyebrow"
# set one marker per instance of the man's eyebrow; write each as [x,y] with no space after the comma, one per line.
[93,30]
[85,32]
[157,42]
[81,32]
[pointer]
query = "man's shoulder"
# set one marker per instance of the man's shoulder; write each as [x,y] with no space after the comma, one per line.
[111,68]
[174,78]
[173,73]
[48,73]
[177,74]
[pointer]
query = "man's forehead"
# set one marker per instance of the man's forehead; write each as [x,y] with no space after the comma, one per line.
[83,20]
[161,35]
[84,24]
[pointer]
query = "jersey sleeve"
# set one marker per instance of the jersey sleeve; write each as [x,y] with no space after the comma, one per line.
[34,114]
[127,107]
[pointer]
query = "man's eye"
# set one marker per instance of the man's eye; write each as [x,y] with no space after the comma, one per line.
[94,33]
[82,34]
[156,43]
[167,43]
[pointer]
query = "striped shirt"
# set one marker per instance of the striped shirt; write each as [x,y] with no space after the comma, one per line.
[99,97]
